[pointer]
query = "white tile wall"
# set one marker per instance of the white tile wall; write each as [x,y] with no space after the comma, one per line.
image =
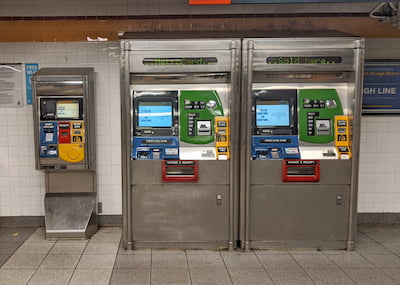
[379,185]
[22,187]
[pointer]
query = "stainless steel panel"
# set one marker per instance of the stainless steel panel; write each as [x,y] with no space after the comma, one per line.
[179,44]
[180,212]
[270,172]
[211,172]
[69,182]
[70,215]
[299,212]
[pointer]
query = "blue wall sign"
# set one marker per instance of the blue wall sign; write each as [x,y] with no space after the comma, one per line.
[30,69]
[381,91]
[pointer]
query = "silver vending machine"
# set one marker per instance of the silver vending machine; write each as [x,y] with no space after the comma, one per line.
[180,106]
[65,149]
[300,141]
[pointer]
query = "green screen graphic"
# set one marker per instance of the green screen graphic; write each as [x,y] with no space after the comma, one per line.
[197,111]
[317,110]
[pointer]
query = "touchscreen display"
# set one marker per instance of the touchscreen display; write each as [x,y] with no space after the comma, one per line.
[273,113]
[67,109]
[155,114]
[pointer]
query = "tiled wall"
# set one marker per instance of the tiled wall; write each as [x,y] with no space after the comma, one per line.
[379,188]
[22,187]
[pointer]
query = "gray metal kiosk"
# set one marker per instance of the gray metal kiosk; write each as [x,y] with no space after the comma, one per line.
[180,105]
[300,142]
[65,149]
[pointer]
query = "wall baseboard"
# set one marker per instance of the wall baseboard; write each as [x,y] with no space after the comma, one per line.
[379,218]
[38,221]
[116,220]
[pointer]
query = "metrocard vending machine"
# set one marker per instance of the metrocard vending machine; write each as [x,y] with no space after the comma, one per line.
[301,126]
[65,149]
[179,113]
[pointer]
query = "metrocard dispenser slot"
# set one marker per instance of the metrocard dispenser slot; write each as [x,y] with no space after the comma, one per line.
[180,171]
[298,170]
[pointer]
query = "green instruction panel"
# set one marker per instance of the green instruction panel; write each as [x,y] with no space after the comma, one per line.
[317,111]
[198,108]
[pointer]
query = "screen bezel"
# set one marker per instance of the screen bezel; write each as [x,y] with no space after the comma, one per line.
[168,96]
[271,103]
[289,95]
[49,105]
[146,103]
[67,102]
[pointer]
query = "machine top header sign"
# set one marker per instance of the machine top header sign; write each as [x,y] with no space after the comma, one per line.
[219,2]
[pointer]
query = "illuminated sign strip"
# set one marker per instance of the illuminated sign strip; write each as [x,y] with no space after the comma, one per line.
[180,61]
[304,60]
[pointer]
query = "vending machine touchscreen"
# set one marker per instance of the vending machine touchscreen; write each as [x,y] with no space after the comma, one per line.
[155,125]
[275,124]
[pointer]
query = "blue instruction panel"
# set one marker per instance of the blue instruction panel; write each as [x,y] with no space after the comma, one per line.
[381,90]
[30,69]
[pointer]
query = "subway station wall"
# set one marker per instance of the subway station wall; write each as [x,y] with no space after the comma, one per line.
[22,187]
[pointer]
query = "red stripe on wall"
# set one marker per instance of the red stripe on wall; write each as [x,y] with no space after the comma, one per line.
[209,2]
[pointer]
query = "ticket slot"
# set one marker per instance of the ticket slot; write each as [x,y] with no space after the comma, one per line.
[180,171]
[300,170]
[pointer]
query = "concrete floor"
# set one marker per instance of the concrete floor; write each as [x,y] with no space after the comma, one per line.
[27,258]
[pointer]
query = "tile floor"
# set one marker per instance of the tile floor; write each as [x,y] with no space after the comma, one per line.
[27,258]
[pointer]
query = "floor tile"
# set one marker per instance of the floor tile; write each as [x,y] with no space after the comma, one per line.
[169,261]
[249,276]
[392,246]
[123,251]
[371,248]
[9,247]
[34,248]
[271,252]
[393,273]
[305,251]
[202,252]
[38,236]
[51,277]
[96,261]
[24,261]
[289,277]
[16,234]
[104,236]
[4,258]
[91,277]
[62,247]
[350,261]
[383,260]
[360,237]
[106,248]
[170,276]
[369,277]
[242,261]
[168,252]
[133,261]
[60,261]
[329,277]
[2,230]
[210,276]
[110,230]
[15,276]
[314,261]
[130,277]
[205,261]
[278,261]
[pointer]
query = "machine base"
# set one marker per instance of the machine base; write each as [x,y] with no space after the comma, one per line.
[299,245]
[212,245]
[70,215]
